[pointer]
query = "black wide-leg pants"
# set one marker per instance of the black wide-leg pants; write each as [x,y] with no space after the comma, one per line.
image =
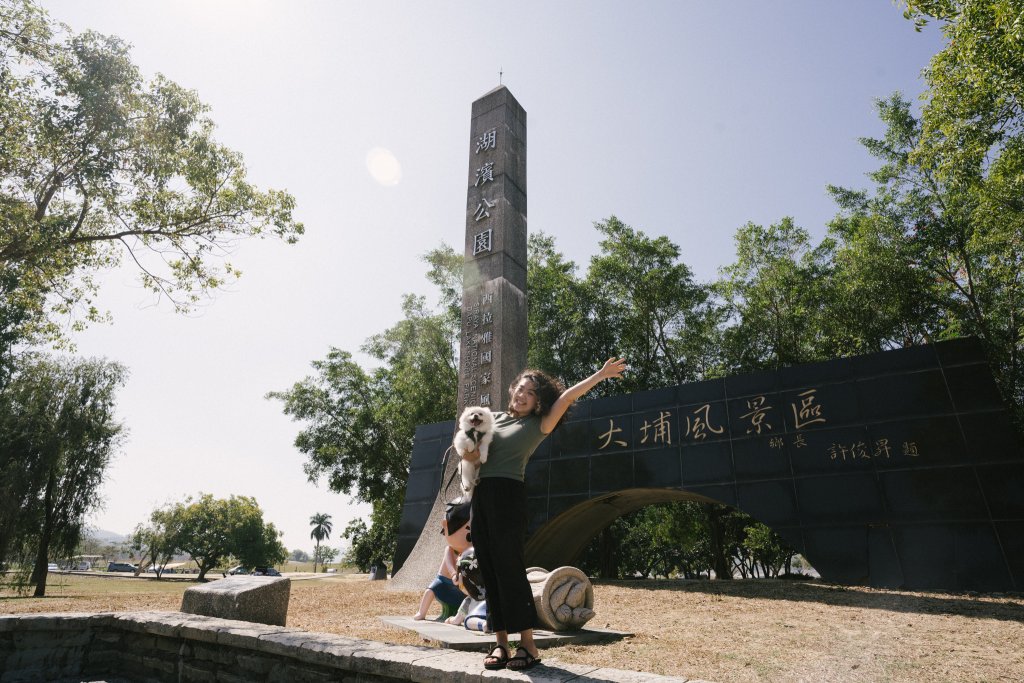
[498,530]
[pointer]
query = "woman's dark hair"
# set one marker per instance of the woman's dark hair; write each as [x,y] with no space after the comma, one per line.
[547,388]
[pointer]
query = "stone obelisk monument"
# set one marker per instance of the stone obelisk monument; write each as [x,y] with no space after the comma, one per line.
[493,349]
[493,340]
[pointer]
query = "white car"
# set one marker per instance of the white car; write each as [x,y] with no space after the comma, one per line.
[52,567]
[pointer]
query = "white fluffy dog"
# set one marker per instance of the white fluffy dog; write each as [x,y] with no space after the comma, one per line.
[476,430]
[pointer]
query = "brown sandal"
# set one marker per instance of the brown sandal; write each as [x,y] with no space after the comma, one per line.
[522,662]
[493,662]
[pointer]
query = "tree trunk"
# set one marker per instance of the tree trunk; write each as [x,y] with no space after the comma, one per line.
[719,562]
[40,571]
[607,568]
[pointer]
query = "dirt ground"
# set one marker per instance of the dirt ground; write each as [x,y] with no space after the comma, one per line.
[717,631]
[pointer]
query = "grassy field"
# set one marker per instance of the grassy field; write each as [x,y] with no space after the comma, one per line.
[718,631]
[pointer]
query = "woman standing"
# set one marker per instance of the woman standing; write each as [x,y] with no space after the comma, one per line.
[537,404]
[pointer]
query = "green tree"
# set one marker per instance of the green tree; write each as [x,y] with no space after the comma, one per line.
[153,542]
[773,293]
[98,164]
[637,299]
[324,556]
[299,555]
[360,423]
[647,304]
[322,527]
[959,253]
[369,546]
[212,529]
[58,434]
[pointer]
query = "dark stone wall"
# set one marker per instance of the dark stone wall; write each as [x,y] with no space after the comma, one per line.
[896,469]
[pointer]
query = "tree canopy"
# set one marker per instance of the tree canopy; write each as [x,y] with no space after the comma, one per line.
[99,165]
[212,529]
[58,433]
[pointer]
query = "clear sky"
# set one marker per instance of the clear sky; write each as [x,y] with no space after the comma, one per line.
[683,118]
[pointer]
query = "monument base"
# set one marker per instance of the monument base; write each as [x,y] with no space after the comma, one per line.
[460,638]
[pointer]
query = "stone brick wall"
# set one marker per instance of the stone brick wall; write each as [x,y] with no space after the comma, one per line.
[129,647]
[170,646]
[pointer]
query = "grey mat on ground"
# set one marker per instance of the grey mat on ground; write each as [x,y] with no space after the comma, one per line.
[459,638]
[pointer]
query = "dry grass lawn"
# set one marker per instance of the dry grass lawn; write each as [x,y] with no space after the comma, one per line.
[736,631]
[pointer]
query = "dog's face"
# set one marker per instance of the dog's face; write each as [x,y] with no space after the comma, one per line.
[475,417]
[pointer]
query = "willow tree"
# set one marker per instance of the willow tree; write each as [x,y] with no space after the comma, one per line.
[58,433]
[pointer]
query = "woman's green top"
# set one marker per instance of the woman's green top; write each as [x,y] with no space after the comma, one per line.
[515,440]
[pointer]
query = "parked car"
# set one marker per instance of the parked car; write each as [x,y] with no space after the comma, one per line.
[121,567]
[265,571]
[83,566]
[238,570]
[52,567]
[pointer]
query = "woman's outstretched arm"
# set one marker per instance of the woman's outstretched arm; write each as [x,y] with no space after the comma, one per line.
[612,368]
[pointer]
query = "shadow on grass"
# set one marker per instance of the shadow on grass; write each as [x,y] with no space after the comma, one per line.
[1002,606]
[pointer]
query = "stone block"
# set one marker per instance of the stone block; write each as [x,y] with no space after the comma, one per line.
[193,673]
[260,599]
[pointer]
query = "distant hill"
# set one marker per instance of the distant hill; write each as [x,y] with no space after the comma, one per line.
[104,536]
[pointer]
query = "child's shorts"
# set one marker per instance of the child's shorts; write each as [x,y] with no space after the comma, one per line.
[446,591]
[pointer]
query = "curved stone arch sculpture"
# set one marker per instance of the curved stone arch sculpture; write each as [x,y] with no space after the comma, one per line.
[896,469]
[561,540]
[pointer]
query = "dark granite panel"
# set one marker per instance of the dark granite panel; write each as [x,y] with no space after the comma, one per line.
[959,351]
[615,433]
[700,392]
[658,469]
[980,565]
[570,475]
[612,405]
[973,388]
[839,552]
[538,517]
[759,415]
[792,536]
[990,436]
[611,472]
[413,517]
[537,476]
[769,502]
[853,497]
[664,398]
[656,429]
[753,384]
[922,442]
[883,564]
[819,407]
[948,493]
[760,458]
[435,430]
[703,423]
[1011,538]
[829,451]
[1004,489]
[900,360]
[581,410]
[721,493]
[816,374]
[927,555]
[559,504]
[707,463]
[898,396]
[572,438]
[422,485]
[426,455]
[543,451]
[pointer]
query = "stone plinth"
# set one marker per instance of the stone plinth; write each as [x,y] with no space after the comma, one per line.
[261,599]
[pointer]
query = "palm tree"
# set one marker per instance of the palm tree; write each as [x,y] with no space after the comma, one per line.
[321,523]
